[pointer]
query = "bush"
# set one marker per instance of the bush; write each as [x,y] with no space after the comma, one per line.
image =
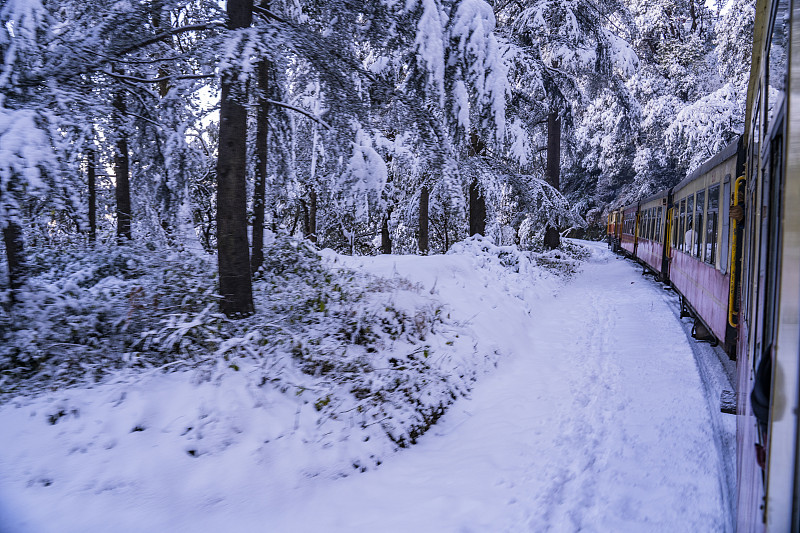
[336,339]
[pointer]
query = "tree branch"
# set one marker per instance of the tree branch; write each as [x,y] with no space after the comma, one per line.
[301,111]
[136,79]
[169,33]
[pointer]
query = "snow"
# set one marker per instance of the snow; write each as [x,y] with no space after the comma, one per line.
[364,178]
[595,418]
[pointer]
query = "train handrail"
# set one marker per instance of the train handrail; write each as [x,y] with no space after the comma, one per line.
[668,230]
[734,270]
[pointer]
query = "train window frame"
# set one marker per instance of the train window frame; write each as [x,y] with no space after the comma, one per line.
[681,221]
[700,207]
[687,246]
[724,225]
[712,224]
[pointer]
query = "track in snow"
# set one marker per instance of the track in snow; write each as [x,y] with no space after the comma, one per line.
[598,423]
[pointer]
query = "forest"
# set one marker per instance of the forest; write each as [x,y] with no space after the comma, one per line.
[175,175]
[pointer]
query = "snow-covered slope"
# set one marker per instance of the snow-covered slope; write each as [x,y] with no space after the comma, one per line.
[593,419]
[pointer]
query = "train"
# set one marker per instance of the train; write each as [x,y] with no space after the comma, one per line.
[727,240]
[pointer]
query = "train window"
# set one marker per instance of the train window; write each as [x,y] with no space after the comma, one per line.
[645,223]
[659,215]
[653,223]
[690,236]
[650,222]
[712,215]
[681,224]
[675,226]
[777,55]
[699,208]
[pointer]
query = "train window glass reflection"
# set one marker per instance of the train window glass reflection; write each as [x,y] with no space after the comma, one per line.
[711,224]
[777,55]
[689,237]
[642,217]
[681,224]
[699,207]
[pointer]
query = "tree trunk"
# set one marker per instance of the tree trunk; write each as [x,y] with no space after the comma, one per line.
[306,218]
[15,248]
[477,203]
[312,216]
[92,178]
[122,175]
[552,238]
[233,258]
[163,85]
[423,221]
[386,238]
[477,210]
[554,150]
[262,151]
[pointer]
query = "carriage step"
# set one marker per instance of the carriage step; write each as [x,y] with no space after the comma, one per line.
[727,402]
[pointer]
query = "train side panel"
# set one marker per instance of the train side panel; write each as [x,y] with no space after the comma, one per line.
[699,258]
[705,288]
[628,238]
[652,231]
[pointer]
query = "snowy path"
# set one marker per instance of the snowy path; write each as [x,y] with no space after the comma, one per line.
[597,424]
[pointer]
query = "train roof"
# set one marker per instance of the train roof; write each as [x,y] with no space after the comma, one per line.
[656,196]
[729,151]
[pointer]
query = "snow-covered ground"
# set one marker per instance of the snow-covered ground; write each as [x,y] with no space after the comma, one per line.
[595,419]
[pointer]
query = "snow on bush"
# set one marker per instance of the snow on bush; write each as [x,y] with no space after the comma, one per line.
[348,355]
[520,270]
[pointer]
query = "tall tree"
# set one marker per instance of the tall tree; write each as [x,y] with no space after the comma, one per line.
[422,240]
[122,172]
[233,249]
[91,171]
[262,154]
